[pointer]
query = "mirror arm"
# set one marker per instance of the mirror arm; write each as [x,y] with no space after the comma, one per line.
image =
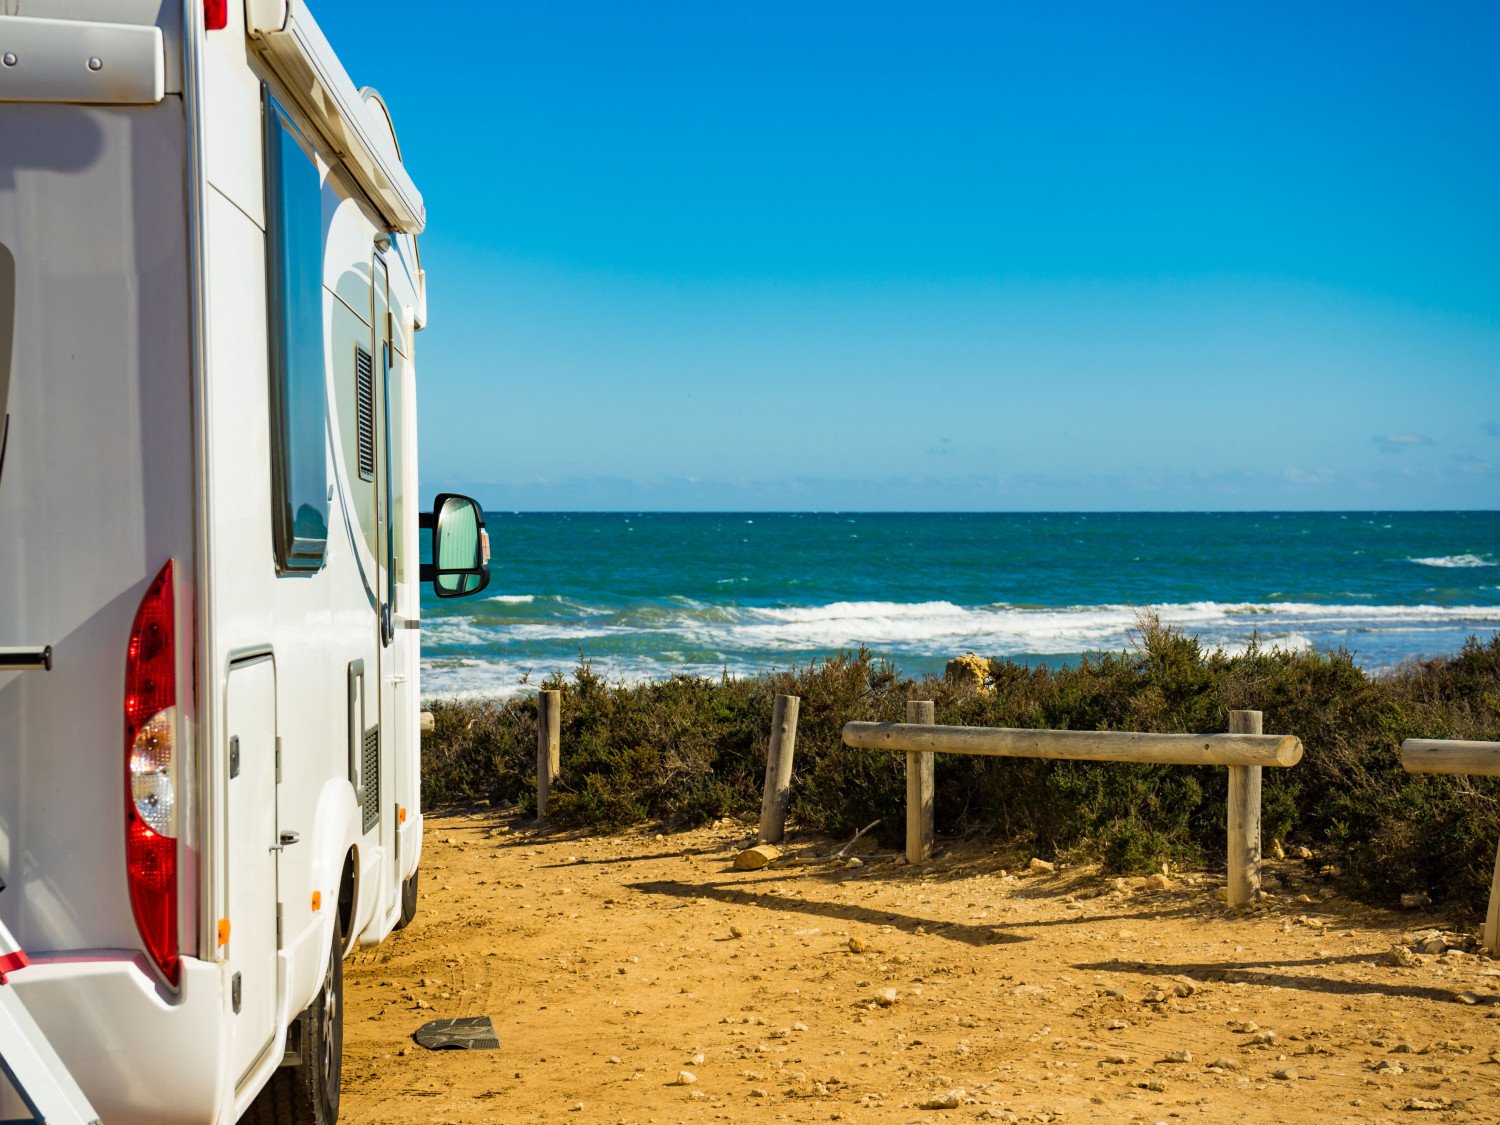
[428,572]
[426,521]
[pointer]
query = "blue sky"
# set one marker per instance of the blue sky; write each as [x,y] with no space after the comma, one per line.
[952,256]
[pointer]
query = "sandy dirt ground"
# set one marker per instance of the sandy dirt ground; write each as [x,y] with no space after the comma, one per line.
[641,978]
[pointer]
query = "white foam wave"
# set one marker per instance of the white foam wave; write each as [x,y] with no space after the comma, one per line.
[512,599]
[1455,562]
[935,627]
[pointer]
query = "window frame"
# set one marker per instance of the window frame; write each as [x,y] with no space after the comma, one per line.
[298,382]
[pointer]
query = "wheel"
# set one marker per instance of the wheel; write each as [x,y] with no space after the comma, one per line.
[408,900]
[307,1093]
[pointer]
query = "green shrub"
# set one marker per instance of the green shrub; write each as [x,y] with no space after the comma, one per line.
[684,751]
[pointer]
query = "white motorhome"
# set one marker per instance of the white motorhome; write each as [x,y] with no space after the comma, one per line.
[209,548]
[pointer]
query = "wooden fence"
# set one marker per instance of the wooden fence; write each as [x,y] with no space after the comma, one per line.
[1438,755]
[1245,750]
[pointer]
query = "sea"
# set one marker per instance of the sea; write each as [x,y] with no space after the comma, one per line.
[644,596]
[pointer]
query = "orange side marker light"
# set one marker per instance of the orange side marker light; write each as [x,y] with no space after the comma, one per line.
[317,901]
[223,931]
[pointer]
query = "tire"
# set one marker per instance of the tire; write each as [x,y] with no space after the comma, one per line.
[308,1093]
[408,900]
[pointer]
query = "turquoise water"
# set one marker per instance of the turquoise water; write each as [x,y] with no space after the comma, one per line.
[645,595]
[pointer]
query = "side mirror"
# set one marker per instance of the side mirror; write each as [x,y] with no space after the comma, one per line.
[460,563]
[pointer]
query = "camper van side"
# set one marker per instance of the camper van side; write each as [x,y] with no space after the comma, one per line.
[211,550]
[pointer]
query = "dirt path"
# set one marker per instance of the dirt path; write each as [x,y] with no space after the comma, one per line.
[819,992]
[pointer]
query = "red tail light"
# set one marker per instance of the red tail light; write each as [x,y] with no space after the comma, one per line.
[150,781]
[215,14]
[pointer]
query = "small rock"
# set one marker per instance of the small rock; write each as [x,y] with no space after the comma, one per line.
[753,859]
[1432,945]
[1277,850]
[1415,900]
[736,932]
[1284,1074]
[1225,1064]
[1401,957]
[1155,1085]
[757,1092]
[856,946]
[684,1078]
[1041,867]
[1302,852]
[1467,998]
[1158,882]
[1244,1026]
[885,997]
[952,1099]
[1178,1057]
[1427,1103]
[1264,1038]
[853,861]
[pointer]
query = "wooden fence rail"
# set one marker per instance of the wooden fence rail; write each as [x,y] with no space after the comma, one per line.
[1245,750]
[1440,755]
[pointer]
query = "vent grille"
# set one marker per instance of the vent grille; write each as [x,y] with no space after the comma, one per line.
[364,406]
[371,776]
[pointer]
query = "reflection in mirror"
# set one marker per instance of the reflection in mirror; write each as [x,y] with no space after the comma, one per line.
[460,549]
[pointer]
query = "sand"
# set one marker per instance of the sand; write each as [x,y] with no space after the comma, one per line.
[641,978]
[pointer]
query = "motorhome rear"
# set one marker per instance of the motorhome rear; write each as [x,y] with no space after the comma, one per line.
[210,291]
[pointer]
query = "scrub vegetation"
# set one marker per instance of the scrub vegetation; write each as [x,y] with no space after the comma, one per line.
[686,751]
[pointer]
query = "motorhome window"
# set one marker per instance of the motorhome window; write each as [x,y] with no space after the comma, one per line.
[299,389]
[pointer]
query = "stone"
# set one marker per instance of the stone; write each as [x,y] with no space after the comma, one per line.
[1158,882]
[684,1078]
[1284,1073]
[852,862]
[856,945]
[1401,957]
[1302,852]
[1041,867]
[1178,1057]
[885,997]
[1225,1064]
[753,859]
[1264,1038]
[1427,1103]
[950,1099]
[1277,851]
[1432,945]
[968,672]
[1415,900]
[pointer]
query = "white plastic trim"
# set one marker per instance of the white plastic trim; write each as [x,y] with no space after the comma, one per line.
[80,61]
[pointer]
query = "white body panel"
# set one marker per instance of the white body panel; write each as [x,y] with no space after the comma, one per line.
[142,429]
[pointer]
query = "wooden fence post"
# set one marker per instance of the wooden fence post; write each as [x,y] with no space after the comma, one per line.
[920,783]
[548,746]
[778,792]
[1490,937]
[1244,818]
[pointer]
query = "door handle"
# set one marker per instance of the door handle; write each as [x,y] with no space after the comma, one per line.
[286,839]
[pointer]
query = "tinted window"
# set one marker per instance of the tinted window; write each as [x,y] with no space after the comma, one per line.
[299,390]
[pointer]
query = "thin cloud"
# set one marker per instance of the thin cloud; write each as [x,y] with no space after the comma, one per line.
[1491,427]
[1395,443]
